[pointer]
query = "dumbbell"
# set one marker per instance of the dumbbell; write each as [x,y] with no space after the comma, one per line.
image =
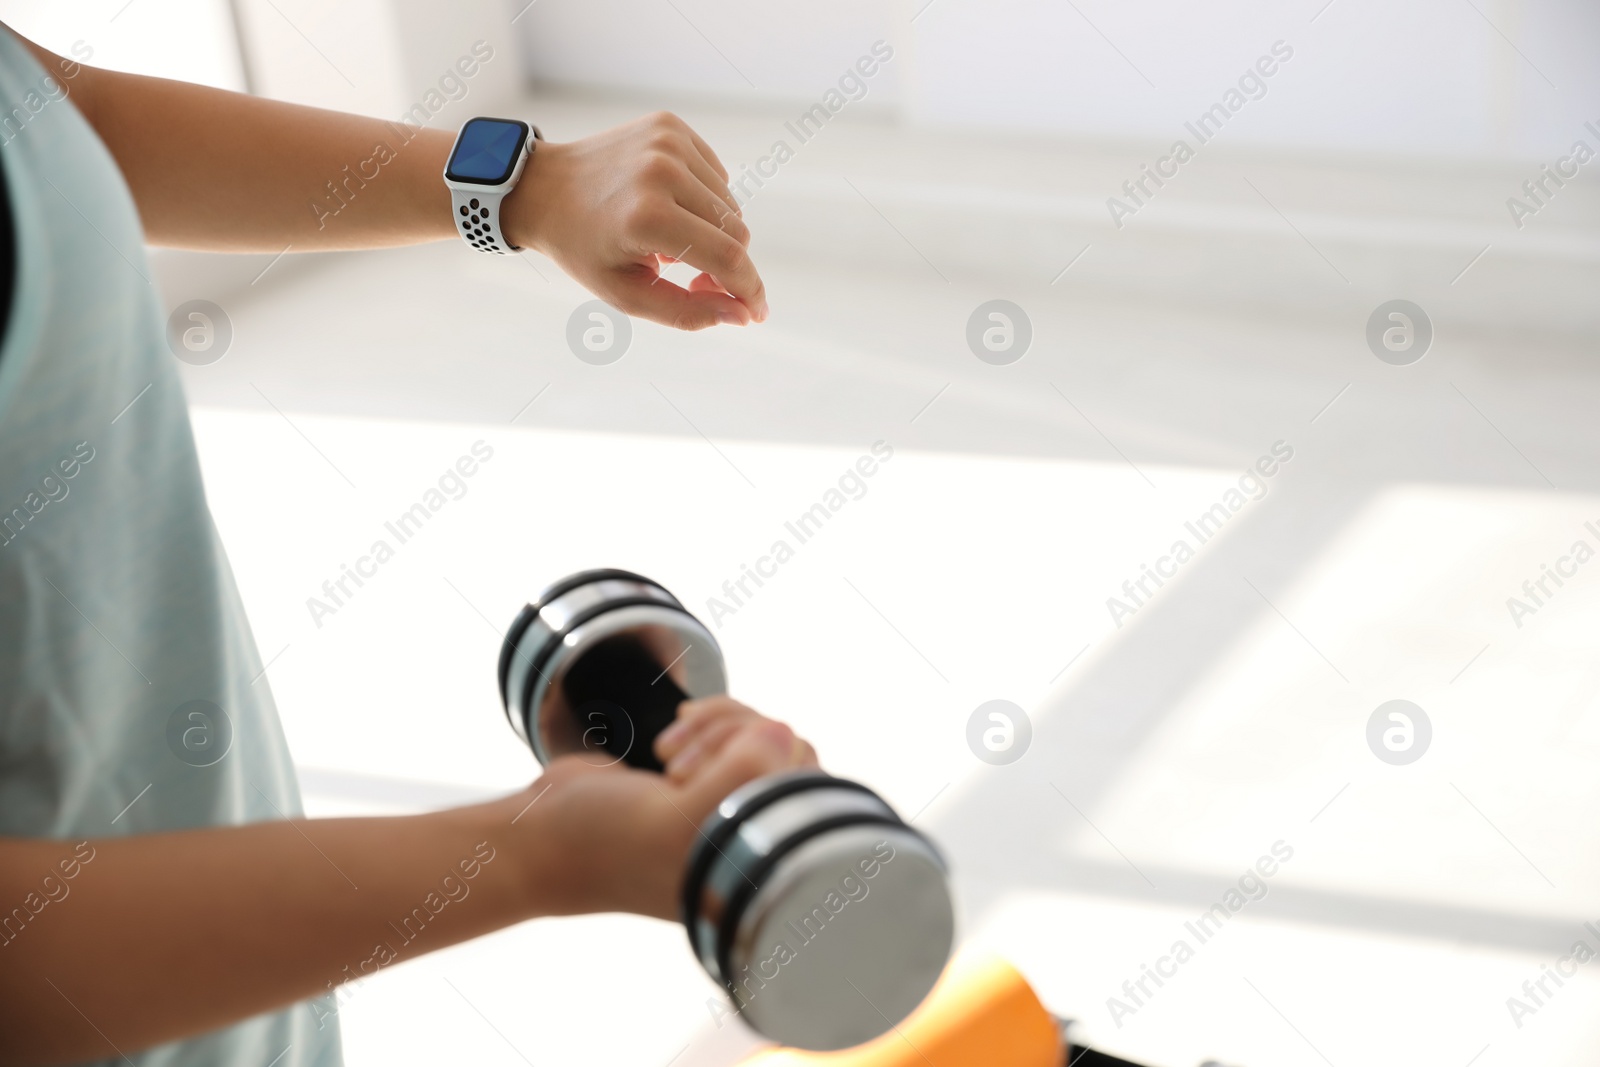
[822,913]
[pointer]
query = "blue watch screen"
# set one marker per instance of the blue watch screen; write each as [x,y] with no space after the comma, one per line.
[486,152]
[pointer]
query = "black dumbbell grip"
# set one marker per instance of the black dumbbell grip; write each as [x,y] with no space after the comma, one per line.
[621,689]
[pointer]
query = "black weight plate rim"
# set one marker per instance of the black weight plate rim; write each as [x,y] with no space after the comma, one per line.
[508,648]
[588,577]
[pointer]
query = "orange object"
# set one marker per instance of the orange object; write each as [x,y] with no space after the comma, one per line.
[981,1014]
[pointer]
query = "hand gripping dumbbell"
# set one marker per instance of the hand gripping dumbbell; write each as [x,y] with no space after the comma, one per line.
[823,914]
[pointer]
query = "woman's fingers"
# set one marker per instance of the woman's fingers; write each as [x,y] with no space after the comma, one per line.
[715,184]
[694,717]
[692,193]
[707,247]
[754,749]
[705,727]
[705,742]
[647,295]
[707,154]
[670,230]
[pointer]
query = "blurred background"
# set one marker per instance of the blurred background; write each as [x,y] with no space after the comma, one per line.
[1148,354]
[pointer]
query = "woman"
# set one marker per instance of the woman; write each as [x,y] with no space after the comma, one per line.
[157,912]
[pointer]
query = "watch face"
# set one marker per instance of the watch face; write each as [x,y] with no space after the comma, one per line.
[486,152]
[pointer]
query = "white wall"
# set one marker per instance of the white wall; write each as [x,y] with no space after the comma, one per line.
[1406,76]
[381,57]
[376,57]
[746,50]
[1388,75]
[192,40]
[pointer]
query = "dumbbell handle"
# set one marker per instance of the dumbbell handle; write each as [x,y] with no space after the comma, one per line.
[623,699]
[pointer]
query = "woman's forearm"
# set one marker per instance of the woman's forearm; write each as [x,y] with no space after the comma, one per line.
[220,171]
[124,943]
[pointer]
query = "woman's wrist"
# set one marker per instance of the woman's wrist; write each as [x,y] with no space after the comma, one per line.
[524,208]
[541,874]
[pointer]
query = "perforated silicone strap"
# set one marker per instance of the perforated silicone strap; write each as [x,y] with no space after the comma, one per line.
[477,215]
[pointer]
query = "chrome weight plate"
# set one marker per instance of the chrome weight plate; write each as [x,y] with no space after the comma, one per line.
[826,918]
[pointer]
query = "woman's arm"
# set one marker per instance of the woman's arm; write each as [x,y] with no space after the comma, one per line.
[226,172]
[128,942]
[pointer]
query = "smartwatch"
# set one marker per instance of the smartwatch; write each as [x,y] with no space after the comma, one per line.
[484,166]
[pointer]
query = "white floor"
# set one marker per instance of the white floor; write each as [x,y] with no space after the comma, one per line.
[1168,754]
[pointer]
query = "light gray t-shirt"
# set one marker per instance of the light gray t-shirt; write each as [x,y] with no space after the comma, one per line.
[131,693]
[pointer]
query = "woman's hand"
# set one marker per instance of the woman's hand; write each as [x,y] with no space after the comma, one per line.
[614,838]
[703,727]
[611,209]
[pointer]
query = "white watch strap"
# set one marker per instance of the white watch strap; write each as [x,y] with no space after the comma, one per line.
[477,213]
